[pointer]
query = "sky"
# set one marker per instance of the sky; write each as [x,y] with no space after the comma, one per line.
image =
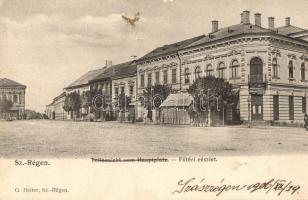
[47,44]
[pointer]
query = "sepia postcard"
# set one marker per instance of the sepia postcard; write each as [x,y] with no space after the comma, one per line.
[153,100]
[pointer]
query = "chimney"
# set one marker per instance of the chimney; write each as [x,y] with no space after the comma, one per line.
[245,17]
[258,19]
[271,24]
[108,64]
[288,21]
[214,25]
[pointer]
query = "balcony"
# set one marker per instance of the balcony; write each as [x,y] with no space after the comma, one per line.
[257,81]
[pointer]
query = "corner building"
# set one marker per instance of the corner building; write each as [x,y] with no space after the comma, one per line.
[268,66]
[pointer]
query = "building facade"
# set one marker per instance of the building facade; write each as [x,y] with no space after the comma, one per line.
[15,92]
[161,66]
[55,110]
[268,66]
[116,79]
[124,81]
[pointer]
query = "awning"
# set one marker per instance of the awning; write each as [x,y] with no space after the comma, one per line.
[178,100]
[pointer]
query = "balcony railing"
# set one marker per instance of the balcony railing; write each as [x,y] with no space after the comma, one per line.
[259,78]
[257,81]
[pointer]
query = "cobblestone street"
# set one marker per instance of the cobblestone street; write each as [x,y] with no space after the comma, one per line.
[58,139]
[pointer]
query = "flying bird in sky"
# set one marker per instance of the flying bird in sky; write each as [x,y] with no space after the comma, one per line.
[131,20]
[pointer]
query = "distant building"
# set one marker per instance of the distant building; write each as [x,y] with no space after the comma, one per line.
[81,86]
[117,79]
[15,92]
[55,109]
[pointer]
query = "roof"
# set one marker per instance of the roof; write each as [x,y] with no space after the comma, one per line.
[230,31]
[170,48]
[60,96]
[4,82]
[287,30]
[178,100]
[84,79]
[125,69]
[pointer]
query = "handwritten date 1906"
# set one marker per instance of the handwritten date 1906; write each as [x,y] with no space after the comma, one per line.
[275,185]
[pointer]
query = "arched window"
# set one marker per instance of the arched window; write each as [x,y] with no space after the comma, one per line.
[303,69]
[235,67]
[291,70]
[186,74]
[221,69]
[209,70]
[197,72]
[256,70]
[275,68]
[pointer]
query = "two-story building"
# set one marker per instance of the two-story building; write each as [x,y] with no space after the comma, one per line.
[81,86]
[161,66]
[15,92]
[267,65]
[116,79]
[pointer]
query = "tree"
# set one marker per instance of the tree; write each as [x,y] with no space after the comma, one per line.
[210,91]
[155,95]
[72,102]
[5,105]
[123,101]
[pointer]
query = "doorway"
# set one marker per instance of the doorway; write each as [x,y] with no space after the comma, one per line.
[256,107]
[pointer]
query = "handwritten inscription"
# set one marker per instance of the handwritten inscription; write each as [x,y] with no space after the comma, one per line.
[273,185]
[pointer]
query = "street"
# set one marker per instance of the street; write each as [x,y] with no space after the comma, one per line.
[67,139]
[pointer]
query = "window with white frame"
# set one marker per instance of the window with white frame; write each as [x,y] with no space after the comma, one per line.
[186,76]
[157,77]
[173,78]
[149,79]
[142,80]
[209,70]
[235,69]
[303,72]
[221,70]
[165,76]
[275,68]
[197,72]
[291,70]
